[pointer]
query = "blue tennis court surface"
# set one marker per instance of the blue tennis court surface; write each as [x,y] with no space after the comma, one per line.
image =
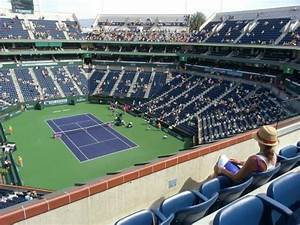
[88,138]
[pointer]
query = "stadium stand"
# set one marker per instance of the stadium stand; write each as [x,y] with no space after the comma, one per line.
[213,102]
[66,83]
[8,90]
[48,87]
[41,26]
[150,28]
[259,27]
[47,29]
[27,85]
[79,78]
[13,28]
[224,108]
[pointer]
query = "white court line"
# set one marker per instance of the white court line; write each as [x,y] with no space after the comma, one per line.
[67,116]
[86,131]
[136,145]
[69,150]
[75,122]
[98,157]
[112,133]
[99,142]
[70,141]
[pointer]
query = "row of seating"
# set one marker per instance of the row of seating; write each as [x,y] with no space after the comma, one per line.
[130,83]
[280,206]
[12,196]
[15,28]
[250,31]
[43,87]
[214,108]
[189,206]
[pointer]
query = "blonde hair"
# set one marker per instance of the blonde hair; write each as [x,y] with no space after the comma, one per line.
[267,151]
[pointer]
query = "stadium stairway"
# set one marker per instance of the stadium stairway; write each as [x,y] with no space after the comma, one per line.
[87,75]
[62,94]
[29,27]
[74,83]
[101,82]
[150,84]
[113,90]
[17,86]
[133,84]
[33,75]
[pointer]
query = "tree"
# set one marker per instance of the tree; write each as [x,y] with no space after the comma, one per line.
[196,20]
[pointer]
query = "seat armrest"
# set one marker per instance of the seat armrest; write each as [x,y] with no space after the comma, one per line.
[201,196]
[275,205]
[162,218]
[280,157]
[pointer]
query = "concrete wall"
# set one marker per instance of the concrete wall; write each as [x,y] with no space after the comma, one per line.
[125,194]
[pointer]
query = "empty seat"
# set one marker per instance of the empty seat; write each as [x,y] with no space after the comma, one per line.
[288,157]
[145,217]
[187,207]
[252,210]
[228,190]
[286,190]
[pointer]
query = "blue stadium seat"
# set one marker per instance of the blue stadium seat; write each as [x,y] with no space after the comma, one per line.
[228,190]
[298,146]
[251,210]
[145,217]
[262,178]
[288,157]
[286,190]
[187,206]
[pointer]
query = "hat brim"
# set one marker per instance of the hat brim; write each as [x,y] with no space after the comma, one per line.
[255,136]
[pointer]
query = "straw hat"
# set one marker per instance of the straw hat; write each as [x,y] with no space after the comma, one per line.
[267,135]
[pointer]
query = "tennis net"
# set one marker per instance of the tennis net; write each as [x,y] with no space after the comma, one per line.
[84,129]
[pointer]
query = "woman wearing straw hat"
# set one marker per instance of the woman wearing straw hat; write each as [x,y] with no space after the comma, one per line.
[266,159]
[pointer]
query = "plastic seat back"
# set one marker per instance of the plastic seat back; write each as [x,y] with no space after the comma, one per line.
[263,177]
[285,190]
[247,211]
[234,191]
[145,217]
[187,206]
[288,157]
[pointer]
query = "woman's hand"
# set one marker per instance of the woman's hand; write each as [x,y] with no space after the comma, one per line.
[237,161]
[217,169]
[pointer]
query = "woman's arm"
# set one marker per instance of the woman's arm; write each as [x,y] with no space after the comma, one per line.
[237,162]
[245,171]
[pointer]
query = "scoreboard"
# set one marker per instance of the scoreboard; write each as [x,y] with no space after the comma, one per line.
[22,6]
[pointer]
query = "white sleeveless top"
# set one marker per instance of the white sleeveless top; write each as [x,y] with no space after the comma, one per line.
[266,161]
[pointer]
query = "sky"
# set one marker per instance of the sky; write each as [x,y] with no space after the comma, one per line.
[90,8]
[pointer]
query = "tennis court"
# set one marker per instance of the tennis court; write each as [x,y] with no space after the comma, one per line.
[88,138]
